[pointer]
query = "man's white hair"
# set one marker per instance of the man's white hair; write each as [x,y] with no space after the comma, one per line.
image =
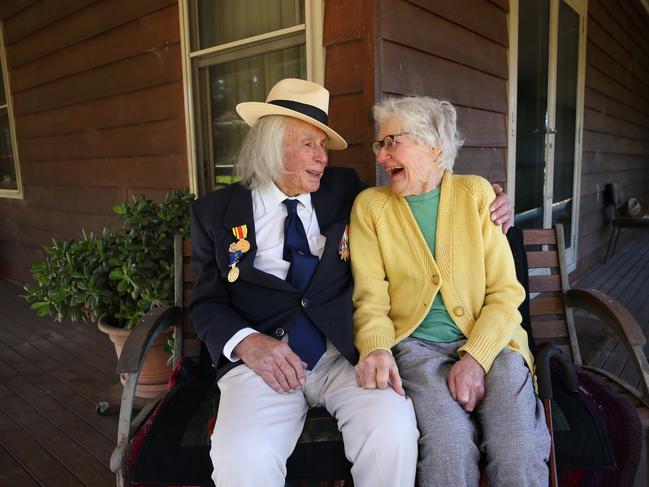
[261,158]
[429,121]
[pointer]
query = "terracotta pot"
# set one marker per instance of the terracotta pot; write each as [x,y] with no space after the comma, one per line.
[155,372]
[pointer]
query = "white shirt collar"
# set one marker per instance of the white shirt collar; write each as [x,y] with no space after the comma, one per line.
[271,197]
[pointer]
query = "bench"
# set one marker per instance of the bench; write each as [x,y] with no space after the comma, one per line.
[551,315]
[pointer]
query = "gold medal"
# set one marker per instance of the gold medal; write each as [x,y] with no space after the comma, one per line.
[232,248]
[243,245]
[233,275]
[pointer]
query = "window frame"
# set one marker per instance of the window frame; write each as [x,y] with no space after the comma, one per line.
[194,60]
[18,192]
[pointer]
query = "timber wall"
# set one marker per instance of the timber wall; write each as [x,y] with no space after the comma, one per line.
[98,105]
[616,116]
[455,51]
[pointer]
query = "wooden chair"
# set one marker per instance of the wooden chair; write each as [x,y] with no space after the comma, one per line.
[551,311]
[614,197]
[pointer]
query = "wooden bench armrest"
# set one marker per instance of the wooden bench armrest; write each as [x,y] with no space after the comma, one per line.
[130,363]
[622,322]
[143,335]
[609,311]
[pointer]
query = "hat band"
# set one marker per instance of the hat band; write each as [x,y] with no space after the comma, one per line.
[308,110]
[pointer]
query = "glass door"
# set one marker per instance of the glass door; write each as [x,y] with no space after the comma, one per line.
[548,115]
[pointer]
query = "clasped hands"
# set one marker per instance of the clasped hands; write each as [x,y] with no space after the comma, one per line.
[274,361]
[378,370]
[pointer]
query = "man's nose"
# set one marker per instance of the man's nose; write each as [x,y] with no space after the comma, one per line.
[321,155]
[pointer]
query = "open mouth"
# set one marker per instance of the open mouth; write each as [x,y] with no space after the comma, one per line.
[394,170]
[315,174]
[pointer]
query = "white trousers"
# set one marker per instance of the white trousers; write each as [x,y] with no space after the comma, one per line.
[257,428]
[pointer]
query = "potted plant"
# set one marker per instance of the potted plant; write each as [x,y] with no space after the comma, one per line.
[115,278]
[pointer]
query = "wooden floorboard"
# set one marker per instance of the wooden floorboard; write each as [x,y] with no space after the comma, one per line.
[13,472]
[52,376]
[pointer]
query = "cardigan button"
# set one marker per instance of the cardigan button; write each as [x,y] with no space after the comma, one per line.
[304,302]
[458,311]
[436,279]
[279,333]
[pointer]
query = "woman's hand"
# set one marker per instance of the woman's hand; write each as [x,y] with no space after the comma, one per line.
[378,370]
[501,209]
[466,382]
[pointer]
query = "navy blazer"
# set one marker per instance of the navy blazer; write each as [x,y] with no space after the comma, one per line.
[260,300]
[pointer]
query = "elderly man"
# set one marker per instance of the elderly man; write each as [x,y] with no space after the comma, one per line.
[272,302]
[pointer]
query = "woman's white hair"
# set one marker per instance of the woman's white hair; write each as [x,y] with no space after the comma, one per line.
[429,121]
[261,158]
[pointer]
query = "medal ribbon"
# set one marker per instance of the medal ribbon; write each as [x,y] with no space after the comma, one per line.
[240,232]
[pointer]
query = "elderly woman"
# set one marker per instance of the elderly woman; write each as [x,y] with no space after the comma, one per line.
[436,300]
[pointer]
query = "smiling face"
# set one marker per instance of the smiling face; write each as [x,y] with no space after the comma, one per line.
[305,158]
[412,166]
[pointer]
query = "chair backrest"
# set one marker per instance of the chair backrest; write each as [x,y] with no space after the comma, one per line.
[614,196]
[548,280]
[190,345]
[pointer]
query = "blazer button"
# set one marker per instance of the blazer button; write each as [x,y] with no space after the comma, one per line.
[304,302]
[458,311]
[279,333]
[436,279]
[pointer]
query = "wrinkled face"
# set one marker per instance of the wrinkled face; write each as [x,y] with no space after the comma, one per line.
[412,166]
[305,158]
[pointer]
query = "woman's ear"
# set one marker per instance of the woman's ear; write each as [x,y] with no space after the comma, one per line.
[435,152]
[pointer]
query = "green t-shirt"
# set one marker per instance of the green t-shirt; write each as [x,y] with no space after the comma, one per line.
[438,326]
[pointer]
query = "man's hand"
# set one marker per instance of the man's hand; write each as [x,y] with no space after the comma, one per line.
[466,382]
[273,360]
[501,209]
[379,370]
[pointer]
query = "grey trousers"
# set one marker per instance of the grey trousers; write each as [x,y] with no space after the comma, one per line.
[508,426]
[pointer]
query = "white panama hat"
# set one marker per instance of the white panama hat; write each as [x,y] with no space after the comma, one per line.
[299,99]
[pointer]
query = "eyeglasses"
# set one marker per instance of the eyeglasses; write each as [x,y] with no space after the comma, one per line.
[388,142]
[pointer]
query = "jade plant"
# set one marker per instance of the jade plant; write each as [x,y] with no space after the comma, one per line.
[121,274]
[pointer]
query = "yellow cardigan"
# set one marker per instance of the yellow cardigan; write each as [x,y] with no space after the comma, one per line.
[396,278]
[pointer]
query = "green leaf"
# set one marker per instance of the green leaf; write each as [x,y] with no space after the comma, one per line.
[122,286]
[116,275]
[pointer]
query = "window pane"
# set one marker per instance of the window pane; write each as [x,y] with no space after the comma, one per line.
[247,79]
[221,21]
[7,168]
[531,111]
[564,148]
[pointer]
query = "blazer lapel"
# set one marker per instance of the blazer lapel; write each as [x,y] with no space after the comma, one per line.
[332,221]
[239,212]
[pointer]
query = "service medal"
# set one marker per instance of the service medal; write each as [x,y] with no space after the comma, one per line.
[343,245]
[233,275]
[241,232]
[243,245]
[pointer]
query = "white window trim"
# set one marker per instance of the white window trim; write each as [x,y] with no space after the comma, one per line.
[315,59]
[10,193]
[581,7]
